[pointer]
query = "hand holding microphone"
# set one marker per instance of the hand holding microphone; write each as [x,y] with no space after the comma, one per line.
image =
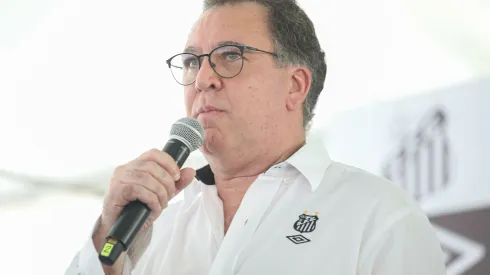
[141,189]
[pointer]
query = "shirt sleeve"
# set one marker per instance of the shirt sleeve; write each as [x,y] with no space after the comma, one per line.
[86,261]
[406,246]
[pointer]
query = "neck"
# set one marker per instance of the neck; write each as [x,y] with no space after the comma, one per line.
[233,175]
[253,161]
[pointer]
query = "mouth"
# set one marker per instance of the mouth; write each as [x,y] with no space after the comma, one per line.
[208,111]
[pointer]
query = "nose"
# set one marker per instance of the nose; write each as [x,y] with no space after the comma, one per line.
[207,79]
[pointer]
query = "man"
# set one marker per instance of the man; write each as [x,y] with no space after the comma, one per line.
[270,201]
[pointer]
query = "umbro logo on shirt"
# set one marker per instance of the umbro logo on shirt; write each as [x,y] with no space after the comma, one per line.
[305,224]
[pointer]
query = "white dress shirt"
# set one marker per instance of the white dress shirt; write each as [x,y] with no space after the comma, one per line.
[307,215]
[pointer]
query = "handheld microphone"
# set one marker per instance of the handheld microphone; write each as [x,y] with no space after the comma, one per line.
[186,135]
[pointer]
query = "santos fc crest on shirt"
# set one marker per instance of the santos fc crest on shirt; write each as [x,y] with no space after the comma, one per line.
[305,224]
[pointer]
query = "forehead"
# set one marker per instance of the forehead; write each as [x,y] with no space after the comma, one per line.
[244,23]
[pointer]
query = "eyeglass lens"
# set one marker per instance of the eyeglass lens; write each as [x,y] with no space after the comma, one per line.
[226,61]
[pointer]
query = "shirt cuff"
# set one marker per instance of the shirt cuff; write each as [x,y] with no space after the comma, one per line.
[89,257]
[87,260]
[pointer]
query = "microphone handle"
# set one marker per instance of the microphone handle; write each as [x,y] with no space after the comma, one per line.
[135,214]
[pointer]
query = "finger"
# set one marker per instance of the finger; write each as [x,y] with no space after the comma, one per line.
[164,160]
[131,192]
[186,177]
[148,182]
[157,172]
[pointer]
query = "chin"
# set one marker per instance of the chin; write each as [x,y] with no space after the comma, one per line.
[209,145]
[212,142]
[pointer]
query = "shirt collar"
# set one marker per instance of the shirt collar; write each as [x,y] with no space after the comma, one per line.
[311,160]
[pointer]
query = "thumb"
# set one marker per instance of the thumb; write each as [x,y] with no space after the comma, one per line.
[186,177]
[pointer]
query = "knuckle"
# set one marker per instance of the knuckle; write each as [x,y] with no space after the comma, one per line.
[157,188]
[158,208]
[139,176]
[150,167]
[152,154]
[163,160]
[127,191]
[153,203]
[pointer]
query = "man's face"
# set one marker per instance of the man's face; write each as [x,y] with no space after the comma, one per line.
[251,103]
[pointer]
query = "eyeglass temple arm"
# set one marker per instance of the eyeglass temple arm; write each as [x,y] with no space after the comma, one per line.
[259,50]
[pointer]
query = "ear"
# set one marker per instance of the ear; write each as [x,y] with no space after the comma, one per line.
[300,85]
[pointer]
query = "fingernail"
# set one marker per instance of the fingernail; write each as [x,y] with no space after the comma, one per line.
[177,177]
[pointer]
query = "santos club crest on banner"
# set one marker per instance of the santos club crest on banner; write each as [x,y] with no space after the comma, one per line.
[435,146]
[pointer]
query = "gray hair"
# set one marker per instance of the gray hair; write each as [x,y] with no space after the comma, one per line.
[295,41]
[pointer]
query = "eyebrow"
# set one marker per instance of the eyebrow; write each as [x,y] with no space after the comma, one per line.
[193,49]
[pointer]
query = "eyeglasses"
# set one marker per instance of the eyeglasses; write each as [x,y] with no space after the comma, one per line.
[226,61]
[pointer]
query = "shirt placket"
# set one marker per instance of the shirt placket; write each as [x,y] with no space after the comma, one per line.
[213,208]
[246,221]
[255,205]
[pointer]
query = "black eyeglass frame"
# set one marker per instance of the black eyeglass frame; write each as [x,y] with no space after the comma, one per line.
[199,57]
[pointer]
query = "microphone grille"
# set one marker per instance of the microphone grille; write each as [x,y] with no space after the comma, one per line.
[189,131]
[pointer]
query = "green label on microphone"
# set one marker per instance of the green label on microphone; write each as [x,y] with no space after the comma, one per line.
[106,251]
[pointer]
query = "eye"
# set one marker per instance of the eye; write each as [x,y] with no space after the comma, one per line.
[190,62]
[231,56]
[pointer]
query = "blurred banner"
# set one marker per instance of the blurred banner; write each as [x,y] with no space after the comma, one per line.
[437,147]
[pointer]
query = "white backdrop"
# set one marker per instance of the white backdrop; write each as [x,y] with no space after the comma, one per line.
[80,79]
[83,88]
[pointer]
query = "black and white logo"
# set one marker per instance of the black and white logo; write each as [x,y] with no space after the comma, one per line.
[305,224]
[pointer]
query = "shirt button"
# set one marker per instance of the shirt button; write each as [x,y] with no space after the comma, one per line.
[287,180]
[277,166]
[245,222]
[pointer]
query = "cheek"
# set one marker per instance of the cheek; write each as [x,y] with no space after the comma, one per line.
[262,98]
[252,102]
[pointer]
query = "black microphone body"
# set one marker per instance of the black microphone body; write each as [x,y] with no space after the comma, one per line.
[135,214]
